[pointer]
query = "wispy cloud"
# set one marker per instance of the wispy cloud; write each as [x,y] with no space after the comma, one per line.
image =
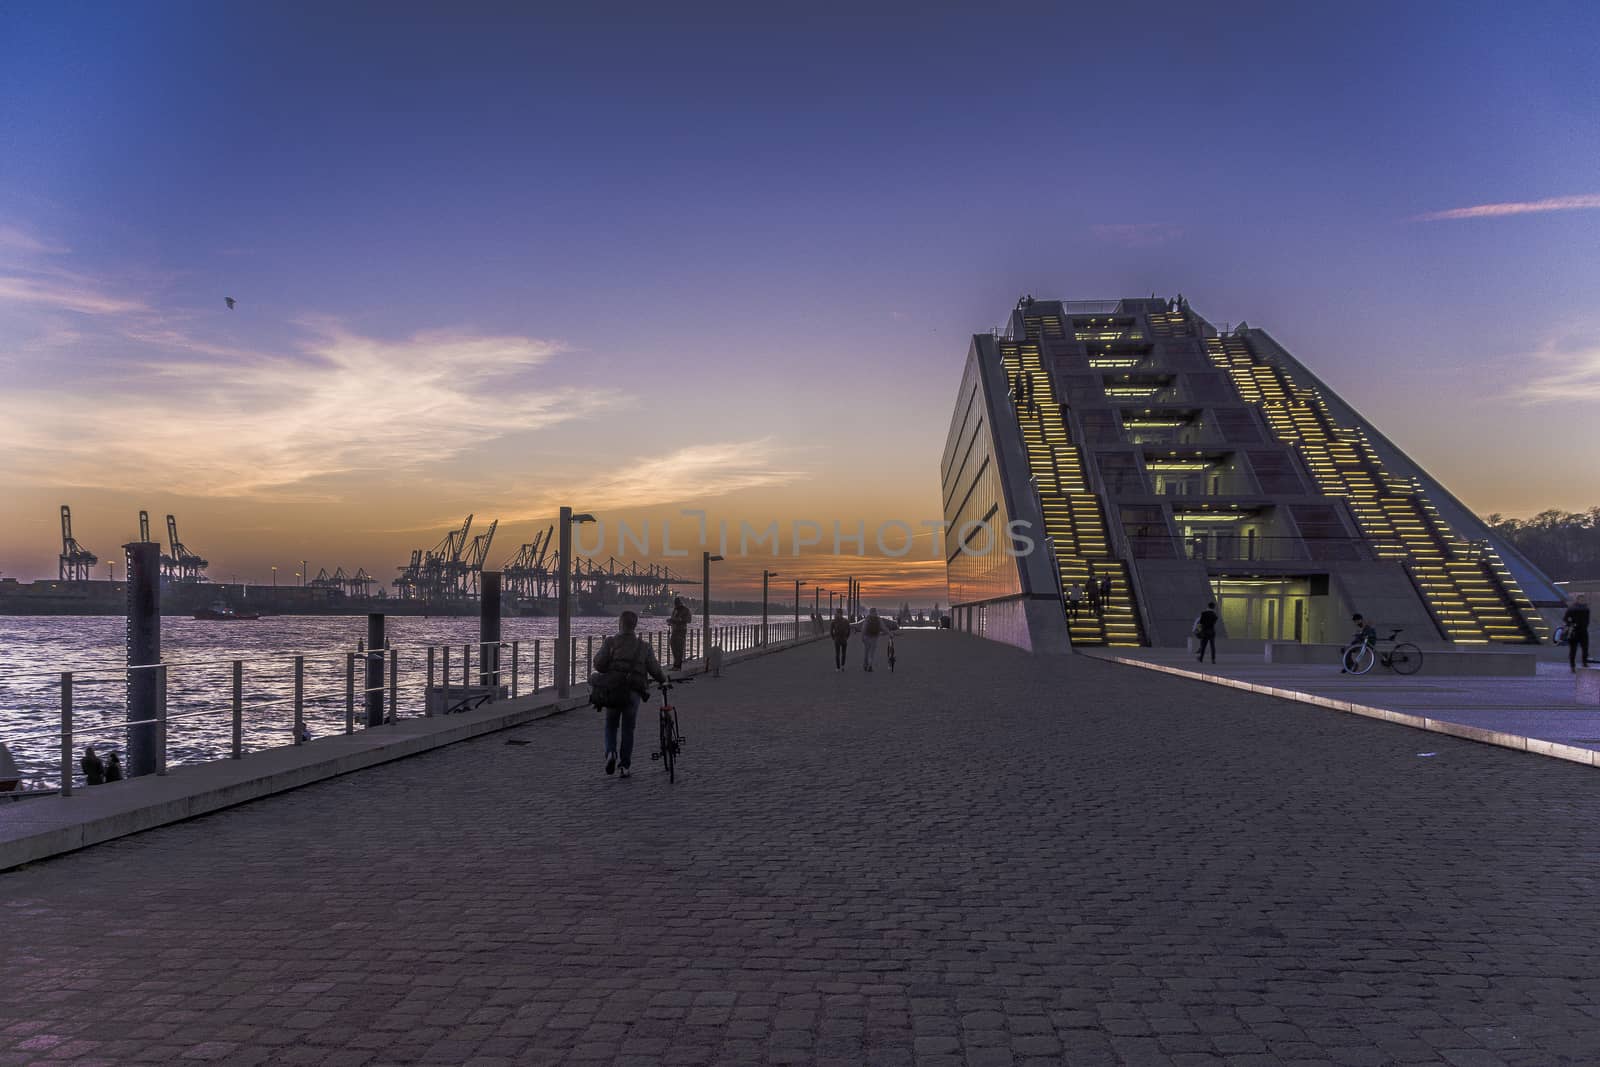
[1586,202]
[280,424]
[689,473]
[17,239]
[1572,370]
[63,292]
[1137,234]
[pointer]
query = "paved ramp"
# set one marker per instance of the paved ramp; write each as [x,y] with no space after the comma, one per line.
[982,859]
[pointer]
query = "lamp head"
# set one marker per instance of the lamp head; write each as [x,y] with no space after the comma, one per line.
[585,517]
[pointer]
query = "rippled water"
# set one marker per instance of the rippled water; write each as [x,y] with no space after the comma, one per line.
[35,650]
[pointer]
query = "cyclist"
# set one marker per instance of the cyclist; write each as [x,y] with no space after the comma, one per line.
[1366,634]
[625,654]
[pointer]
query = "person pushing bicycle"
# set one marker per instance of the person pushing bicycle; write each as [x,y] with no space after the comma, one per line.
[625,663]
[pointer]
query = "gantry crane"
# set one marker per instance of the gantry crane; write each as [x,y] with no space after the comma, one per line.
[182,565]
[75,559]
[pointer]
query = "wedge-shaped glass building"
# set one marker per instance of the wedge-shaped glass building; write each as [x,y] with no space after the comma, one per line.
[1158,463]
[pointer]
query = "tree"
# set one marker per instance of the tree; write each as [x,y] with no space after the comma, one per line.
[1563,544]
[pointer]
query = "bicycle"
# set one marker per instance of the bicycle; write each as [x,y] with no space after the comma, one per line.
[1402,657]
[672,741]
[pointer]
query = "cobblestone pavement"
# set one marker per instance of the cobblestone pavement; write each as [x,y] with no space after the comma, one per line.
[982,859]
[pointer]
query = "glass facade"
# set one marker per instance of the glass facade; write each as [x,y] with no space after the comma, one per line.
[978,566]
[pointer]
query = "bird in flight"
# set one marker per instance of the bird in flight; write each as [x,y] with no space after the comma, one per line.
[229,301]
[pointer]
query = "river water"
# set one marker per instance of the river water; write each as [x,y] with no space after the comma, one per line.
[34,650]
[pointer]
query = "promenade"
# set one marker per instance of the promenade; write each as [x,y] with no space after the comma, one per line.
[983,859]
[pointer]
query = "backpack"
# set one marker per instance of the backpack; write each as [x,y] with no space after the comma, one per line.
[613,687]
[873,627]
[840,629]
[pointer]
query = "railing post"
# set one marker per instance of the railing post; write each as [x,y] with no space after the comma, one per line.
[349,692]
[238,709]
[535,664]
[466,667]
[514,645]
[394,684]
[161,719]
[445,671]
[588,656]
[372,686]
[66,733]
[427,697]
[299,698]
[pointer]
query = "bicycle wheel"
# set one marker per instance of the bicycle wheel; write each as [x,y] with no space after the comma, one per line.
[1358,659]
[1406,658]
[669,750]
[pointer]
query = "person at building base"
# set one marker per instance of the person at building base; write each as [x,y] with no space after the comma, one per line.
[1576,623]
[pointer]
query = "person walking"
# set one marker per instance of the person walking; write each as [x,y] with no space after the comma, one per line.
[114,767]
[839,630]
[627,663]
[871,630]
[1576,621]
[890,652]
[1205,630]
[1105,593]
[678,630]
[1094,595]
[1074,596]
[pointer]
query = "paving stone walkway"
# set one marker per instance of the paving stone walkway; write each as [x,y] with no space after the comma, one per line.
[983,859]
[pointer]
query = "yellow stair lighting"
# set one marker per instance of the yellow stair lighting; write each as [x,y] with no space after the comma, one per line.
[1073,517]
[1465,585]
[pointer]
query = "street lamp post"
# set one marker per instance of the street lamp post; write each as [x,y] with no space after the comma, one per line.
[797,584]
[563,660]
[765,574]
[706,560]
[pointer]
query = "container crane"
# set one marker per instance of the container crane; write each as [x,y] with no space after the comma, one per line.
[182,565]
[75,559]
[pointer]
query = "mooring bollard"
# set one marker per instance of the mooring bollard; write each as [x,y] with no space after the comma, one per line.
[299,699]
[66,733]
[238,709]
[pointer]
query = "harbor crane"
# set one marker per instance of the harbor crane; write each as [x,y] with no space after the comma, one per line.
[182,565]
[477,553]
[75,559]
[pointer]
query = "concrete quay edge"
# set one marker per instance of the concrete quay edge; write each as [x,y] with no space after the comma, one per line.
[1483,735]
[37,829]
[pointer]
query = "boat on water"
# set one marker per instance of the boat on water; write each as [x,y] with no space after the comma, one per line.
[220,612]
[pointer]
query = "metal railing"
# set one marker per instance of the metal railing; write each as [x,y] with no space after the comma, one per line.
[433,679]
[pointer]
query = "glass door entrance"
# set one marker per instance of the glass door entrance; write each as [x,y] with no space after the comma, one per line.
[1266,609]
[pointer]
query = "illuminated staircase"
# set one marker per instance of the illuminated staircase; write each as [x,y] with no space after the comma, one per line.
[1073,517]
[1466,586]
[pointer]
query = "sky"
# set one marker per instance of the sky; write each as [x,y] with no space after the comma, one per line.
[491,259]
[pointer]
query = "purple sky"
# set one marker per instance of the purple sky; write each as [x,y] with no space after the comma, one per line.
[489,260]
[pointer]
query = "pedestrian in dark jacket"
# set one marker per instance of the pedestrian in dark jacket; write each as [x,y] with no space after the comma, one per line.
[625,653]
[1576,621]
[1205,631]
[114,768]
[678,630]
[839,630]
